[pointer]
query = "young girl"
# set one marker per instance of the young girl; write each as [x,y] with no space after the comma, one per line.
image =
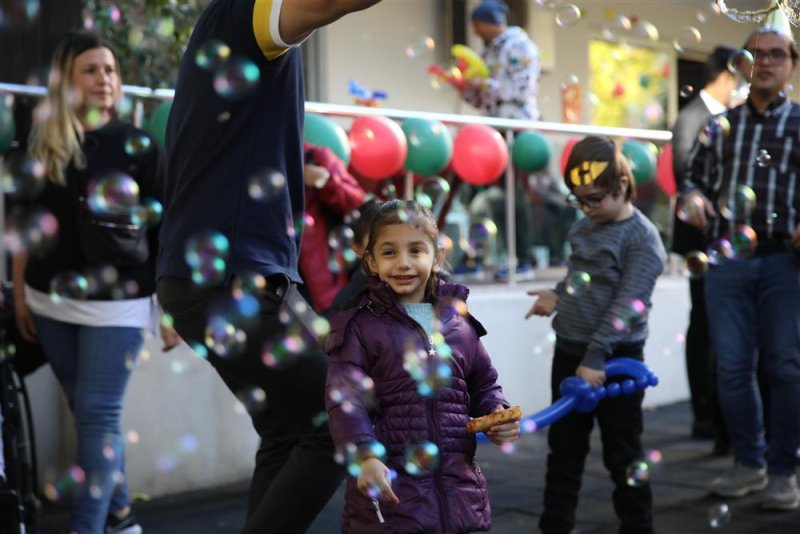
[407,372]
[619,253]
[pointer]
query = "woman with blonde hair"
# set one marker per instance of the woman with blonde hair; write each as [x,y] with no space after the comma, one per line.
[101,175]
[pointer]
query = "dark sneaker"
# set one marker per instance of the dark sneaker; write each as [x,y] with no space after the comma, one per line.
[126,525]
[465,273]
[740,481]
[782,493]
[524,271]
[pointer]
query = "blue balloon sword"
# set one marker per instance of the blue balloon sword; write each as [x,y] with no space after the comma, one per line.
[578,395]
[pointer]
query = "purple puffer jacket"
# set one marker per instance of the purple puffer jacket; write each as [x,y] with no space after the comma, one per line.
[373,339]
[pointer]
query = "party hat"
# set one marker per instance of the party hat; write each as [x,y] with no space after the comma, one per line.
[777,20]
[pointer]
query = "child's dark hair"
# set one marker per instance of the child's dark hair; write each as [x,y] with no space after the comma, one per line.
[407,212]
[591,149]
[366,213]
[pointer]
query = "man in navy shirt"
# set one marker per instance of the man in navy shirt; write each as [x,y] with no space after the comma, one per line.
[228,253]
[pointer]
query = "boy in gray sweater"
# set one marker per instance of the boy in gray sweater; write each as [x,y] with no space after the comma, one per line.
[601,312]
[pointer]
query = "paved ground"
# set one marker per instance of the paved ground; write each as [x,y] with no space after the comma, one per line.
[682,505]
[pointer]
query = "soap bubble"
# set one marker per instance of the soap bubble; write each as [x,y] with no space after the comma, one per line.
[637,474]
[696,264]
[578,282]
[719,515]
[421,459]
[688,37]
[212,55]
[236,78]
[568,15]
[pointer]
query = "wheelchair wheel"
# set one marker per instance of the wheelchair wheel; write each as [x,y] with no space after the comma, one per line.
[19,502]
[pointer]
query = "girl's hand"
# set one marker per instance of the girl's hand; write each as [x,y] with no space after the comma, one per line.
[505,433]
[545,305]
[24,319]
[374,481]
[594,377]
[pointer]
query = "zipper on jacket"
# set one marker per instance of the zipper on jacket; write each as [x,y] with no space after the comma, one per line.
[433,424]
[436,436]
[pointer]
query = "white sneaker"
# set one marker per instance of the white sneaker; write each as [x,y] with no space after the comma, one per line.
[125,525]
[740,481]
[782,493]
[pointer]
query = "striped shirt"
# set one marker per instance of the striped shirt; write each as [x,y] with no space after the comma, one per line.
[759,151]
[623,260]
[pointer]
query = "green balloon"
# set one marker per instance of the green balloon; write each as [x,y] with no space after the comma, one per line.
[157,124]
[642,158]
[8,129]
[530,151]
[430,146]
[321,131]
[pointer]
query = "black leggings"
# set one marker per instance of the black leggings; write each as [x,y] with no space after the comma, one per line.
[620,421]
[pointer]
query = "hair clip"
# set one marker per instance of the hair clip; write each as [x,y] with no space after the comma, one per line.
[587,172]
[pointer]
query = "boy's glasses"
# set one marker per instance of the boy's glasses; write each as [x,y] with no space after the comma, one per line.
[590,202]
[776,55]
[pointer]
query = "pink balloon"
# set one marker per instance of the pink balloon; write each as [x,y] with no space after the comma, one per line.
[480,154]
[665,173]
[378,147]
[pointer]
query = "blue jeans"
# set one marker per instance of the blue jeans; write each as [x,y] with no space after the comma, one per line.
[754,305]
[93,365]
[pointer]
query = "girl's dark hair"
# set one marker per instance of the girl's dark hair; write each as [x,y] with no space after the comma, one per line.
[601,149]
[411,213]
[366,214]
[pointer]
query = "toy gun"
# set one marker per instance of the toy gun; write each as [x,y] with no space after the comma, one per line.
[468,65]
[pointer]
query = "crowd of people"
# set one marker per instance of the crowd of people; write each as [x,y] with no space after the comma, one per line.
[402,370]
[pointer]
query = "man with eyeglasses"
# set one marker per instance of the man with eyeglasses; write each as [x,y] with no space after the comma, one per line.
[753,290]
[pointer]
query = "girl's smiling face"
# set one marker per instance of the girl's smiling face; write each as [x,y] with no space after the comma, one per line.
[405,258]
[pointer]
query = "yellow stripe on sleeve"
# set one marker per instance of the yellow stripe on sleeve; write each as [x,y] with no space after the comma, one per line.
[266,16]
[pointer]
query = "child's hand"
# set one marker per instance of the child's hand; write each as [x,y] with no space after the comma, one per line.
[594,377]
[374,481]
[505,433]
[545,305]
[315,175]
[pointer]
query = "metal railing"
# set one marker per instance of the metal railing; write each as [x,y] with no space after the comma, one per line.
[509,126]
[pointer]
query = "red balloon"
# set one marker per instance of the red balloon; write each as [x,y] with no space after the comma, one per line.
[480,154]
[378,147]
[565,154]
[665,173]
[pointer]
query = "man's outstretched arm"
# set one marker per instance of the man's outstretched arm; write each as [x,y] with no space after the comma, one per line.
[300,17]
